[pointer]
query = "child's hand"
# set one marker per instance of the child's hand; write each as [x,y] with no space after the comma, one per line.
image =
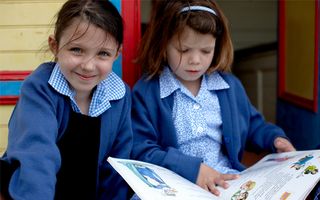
[209,178]
[283,145]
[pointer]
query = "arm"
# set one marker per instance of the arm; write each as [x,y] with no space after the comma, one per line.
[154,132]
[261,134]
[32,142]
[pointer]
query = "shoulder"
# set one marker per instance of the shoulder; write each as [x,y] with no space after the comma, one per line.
[146,93]
[230,78]
[35,88]
[144,85]
[39,77]
[42,72]
[146,90]
[234,83]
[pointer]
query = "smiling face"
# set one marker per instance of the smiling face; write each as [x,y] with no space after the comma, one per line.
[85,54]
[190,58]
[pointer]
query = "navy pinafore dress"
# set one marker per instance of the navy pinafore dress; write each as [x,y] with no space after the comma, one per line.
[79,149]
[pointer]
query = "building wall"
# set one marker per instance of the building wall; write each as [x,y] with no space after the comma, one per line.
[24,29]
[258,74]
[252,22]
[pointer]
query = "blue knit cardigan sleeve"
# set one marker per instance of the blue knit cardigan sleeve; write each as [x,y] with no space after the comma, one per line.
[32,137]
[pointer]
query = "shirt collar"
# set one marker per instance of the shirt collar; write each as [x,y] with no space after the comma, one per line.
[59,83]
[111,88]
[216,82]
[169,83]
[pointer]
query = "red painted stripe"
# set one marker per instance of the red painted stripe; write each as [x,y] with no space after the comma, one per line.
[13,75]
[299,101]
[8,100]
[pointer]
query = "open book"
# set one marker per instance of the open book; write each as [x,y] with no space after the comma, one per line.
[282,176]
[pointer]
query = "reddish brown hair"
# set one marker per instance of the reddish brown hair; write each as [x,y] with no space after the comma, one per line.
[167,21]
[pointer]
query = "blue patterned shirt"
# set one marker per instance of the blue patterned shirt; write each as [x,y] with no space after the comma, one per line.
[197,119]
[111,88]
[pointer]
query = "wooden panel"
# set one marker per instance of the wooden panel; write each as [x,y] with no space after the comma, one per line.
[28,12]
[23,35]
[30,38]
[21,61]
[24,29]
[257,72]
[4,118]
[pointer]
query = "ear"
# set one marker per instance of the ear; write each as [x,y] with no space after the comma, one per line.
[53,45]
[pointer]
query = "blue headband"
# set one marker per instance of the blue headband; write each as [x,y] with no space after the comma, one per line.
[198,8]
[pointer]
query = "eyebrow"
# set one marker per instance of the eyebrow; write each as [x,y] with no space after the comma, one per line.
[73,43]
[186,46]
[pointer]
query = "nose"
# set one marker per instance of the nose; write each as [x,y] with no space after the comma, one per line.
[194,59]
[88,64]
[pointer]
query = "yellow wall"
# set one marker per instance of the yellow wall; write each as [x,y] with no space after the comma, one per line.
[300,47]
[24,29]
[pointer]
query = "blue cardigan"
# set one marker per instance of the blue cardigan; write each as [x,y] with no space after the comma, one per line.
[39,120]
[155,139]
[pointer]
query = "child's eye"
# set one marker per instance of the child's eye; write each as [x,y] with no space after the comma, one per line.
[183,50]
[206,52]
[104,54]
[76,50]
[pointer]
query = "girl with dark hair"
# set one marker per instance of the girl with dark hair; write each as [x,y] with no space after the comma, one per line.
[73,113]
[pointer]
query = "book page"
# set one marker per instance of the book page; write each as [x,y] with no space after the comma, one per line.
[283,176]
[154,182]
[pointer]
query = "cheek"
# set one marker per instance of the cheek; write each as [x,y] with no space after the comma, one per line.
[68,61]
[174,61]
[207,60]
[174,64]
[105,68]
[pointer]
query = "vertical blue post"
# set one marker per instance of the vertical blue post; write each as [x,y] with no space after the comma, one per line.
[117,66]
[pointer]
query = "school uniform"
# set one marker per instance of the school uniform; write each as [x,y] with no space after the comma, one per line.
[61,153]
[155,135]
